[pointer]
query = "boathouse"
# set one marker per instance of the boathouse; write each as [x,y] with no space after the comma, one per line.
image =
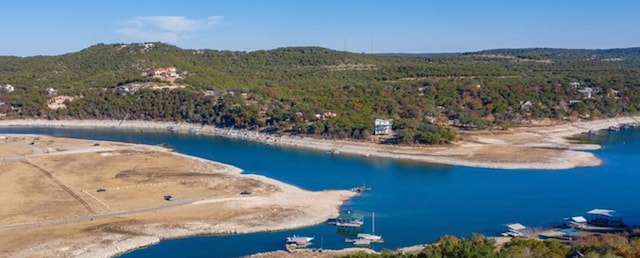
[604,218]
[349,219]
[514,230]
[577,222]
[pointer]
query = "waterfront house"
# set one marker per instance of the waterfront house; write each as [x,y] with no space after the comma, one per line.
[382,126]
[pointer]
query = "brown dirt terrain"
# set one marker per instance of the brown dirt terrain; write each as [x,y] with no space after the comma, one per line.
[51,206]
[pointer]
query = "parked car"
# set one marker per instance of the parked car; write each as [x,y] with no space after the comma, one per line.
[245,192]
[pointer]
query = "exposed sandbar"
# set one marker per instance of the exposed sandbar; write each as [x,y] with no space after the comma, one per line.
[52,206]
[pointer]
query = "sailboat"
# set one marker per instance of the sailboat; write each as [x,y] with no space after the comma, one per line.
[366,239]
[373,238]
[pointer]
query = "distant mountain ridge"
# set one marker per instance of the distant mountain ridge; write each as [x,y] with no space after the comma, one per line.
[554,53]
[564,54]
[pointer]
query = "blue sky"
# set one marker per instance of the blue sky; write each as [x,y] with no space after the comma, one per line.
[49,27]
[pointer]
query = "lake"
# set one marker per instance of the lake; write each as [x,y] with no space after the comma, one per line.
[414,203]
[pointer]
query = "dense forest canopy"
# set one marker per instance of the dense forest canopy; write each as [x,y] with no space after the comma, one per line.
[323,92]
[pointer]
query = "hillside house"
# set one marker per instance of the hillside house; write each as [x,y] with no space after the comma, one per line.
[613,94]
[329,114]
[586,91]
[50,91]
[325,115]
[58,102]
[525,104]
[164,72]
[382,126]
[575,85]
[7,88]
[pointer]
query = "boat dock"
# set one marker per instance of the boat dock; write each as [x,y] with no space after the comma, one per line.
[361,189]
[349,219]
[596,221]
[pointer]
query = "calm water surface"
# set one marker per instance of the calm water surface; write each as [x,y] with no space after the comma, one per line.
[414,203]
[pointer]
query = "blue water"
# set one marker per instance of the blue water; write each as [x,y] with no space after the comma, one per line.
[414,203]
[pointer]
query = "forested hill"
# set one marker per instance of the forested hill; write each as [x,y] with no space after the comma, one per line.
[628,56]
[323,92]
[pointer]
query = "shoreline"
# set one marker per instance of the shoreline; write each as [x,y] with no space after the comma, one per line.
[153,233]
[482,149]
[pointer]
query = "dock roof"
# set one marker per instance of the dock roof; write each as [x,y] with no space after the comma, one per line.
[603,212]
[578,219]
[515,226]
[351,216]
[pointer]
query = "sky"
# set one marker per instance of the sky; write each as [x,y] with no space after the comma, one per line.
[52,27]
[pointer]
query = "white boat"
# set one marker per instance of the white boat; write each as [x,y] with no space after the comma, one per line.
[361,242]
[193,130]
[350,224]
[372,238]
[299,240]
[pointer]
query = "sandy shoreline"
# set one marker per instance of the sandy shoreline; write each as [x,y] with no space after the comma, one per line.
[540,147]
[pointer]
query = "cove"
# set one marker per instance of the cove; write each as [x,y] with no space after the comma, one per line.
[414,203]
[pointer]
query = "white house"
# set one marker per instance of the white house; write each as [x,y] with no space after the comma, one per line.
[164,72]
[382,126]
[575,85]
[6,88]
[586,91]
[51,91]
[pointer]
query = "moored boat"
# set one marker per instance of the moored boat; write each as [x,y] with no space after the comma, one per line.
[299,239]
[297,242]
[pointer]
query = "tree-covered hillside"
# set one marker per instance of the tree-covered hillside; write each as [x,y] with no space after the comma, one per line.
[322,92]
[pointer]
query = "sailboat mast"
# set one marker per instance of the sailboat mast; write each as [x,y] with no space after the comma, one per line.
[373,223]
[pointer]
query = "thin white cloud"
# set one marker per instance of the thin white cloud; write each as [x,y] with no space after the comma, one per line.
[171,29]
